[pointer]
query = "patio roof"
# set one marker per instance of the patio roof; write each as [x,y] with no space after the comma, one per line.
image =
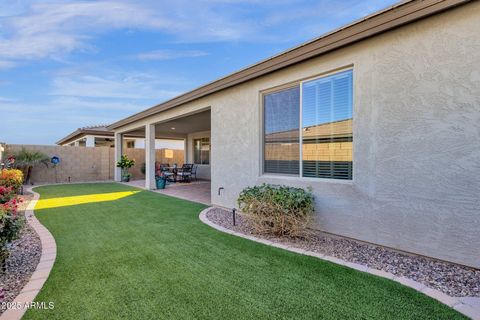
[178,128]
[395,16]
[93,130]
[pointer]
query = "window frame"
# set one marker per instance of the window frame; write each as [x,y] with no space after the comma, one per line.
[287,86]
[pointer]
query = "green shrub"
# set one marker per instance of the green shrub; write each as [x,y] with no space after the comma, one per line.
[125,163]
[277,210]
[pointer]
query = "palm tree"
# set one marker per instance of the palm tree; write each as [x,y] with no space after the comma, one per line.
[26,160]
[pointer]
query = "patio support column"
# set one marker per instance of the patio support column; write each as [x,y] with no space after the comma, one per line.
[150,156]
[90,141]
[118,155]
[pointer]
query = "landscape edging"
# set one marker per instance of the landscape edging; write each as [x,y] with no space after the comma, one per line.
[40,275]
[453,302]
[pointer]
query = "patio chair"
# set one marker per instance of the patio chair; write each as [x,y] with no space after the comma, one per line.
[163,169]
[194,172]
[185,173]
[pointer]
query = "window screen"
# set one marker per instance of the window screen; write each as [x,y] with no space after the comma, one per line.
[327,127]
[281,132]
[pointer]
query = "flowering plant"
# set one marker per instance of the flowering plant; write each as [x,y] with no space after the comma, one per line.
[11,178]
[10,221]
[10,225]
[10,161]
[6,194]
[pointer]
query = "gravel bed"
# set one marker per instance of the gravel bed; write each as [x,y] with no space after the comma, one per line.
[452,279]
[24,257]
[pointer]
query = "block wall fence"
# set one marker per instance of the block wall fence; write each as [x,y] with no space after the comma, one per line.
[78,164]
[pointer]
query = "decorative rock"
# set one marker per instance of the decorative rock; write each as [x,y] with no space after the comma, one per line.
[20,265]
[449,278]
[391,261]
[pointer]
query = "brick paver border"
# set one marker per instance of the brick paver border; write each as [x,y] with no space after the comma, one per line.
[470,310]
[41,273]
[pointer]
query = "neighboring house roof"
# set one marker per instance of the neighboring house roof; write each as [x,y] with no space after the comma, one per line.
[335,129]
[397,15]
[100,130]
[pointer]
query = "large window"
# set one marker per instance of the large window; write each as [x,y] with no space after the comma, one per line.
[201,151]
[281,115]
[325,138]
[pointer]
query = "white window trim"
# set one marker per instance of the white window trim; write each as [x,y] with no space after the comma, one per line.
[287,86]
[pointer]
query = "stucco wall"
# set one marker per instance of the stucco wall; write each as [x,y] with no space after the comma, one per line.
[416,183]
[416,141]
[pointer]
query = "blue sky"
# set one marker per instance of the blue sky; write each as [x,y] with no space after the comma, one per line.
[69,64]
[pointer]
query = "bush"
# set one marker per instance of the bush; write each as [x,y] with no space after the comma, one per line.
[10,221]
[11,178]
[277,210]
[10,225]
[125,163]
[6,194]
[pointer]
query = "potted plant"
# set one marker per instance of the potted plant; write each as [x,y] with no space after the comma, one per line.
[161,180]
[124,163]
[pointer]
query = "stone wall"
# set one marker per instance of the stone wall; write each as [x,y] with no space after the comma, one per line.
[89,164]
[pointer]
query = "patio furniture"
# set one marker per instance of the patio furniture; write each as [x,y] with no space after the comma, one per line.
[185,172]
[194,172]
[162,170]
[170,175]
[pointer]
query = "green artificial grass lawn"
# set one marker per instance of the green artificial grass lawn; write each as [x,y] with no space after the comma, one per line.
[148,256]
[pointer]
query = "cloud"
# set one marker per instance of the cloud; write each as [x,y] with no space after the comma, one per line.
[117,87]
[53,29]
[86,104]
[6,64]
[170,54]
[50,29]
[32,30]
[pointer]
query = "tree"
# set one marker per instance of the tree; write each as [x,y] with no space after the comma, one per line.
[26,160]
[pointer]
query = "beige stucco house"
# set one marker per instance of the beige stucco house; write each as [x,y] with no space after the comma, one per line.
[381,118]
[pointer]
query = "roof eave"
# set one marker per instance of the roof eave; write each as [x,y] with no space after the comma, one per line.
[79,132]
[393,17]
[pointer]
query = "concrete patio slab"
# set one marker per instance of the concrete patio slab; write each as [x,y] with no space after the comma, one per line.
[196,191]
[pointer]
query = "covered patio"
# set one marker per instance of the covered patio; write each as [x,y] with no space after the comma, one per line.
[194,129]
[196,191]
